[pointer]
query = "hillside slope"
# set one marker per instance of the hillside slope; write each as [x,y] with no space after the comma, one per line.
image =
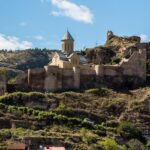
[16,62]
[23,60]
[80,121]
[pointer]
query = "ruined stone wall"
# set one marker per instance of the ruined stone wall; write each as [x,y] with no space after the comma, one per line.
[135,65]
[129,73]
[145,46]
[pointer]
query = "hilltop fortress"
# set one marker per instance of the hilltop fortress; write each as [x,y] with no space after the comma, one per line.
[69,70]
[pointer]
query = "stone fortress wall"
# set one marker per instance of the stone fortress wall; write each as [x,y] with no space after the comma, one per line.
[66,72]
[53,78]
[133,66]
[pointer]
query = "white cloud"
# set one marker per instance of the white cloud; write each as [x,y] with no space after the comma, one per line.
[69,9]
[144,38]
[55,13]
[23,24]
[39,37]
[13,43]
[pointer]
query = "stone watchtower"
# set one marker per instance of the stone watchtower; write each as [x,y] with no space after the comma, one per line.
[67,43]
[110,34]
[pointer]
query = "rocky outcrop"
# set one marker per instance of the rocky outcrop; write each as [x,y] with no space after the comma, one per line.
[100,55]
[115,46]
[113,40]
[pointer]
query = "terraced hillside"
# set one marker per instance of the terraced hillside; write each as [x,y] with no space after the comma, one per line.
[94,119]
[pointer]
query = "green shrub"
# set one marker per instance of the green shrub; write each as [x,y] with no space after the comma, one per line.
[3,146]
[36,96]
[12,81]
[19,132]
[128,131]
[61,106]
[135,144]
[2,106]
[4,71]
[5,134]
[13,99]
[68,94]
[20,98]
[88,136]
[108,144]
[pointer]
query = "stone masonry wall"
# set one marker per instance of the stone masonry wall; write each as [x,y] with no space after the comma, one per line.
[134,66]
[53,78]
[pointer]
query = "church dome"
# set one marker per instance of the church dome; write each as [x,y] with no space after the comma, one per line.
[67,36]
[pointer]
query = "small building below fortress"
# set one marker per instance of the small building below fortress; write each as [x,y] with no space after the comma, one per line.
[69,70]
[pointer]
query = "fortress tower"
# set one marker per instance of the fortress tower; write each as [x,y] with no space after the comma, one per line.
[67,43]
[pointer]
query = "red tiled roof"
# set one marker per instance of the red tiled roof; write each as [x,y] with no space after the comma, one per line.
[16,147]
[54,148]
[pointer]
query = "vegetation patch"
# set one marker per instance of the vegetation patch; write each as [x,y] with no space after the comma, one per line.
[98,91]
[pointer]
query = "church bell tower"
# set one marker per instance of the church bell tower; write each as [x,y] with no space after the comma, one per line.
[67,43]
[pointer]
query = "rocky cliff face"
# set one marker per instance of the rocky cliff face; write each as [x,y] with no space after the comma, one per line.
[100,55]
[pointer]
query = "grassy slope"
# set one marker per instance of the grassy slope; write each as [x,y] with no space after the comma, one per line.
[65,115]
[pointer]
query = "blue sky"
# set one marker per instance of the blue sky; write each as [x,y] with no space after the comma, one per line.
[42,23]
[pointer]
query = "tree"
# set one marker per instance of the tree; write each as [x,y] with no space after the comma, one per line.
[135,144]
[128,131]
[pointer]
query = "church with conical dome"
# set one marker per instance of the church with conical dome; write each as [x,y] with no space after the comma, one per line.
[67,57]
[63,71]
[67,43]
